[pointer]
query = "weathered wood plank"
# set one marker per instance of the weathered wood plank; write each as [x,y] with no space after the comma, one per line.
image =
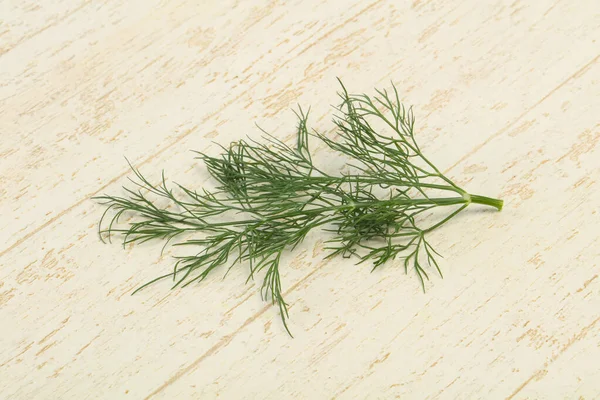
[504,101]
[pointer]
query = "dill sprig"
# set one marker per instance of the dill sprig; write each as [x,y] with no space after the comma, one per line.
[270,195]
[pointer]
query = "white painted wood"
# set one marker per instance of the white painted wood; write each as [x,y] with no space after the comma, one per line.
[506,98]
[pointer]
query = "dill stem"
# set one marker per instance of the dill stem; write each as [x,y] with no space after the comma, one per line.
[488,201]
[440,201]
[465,199]
[368,180]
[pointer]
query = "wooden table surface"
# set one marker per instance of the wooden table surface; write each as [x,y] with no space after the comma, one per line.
[507,101]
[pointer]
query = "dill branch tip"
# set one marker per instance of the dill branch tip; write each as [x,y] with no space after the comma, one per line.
[269,195]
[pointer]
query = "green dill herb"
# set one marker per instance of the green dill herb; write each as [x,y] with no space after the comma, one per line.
[270,195]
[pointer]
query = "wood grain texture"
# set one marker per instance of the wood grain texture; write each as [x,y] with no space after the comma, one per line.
[506,96]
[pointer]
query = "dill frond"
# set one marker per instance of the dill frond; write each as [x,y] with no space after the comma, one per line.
[271,195]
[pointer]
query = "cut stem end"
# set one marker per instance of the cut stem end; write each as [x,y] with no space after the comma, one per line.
[488,201]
